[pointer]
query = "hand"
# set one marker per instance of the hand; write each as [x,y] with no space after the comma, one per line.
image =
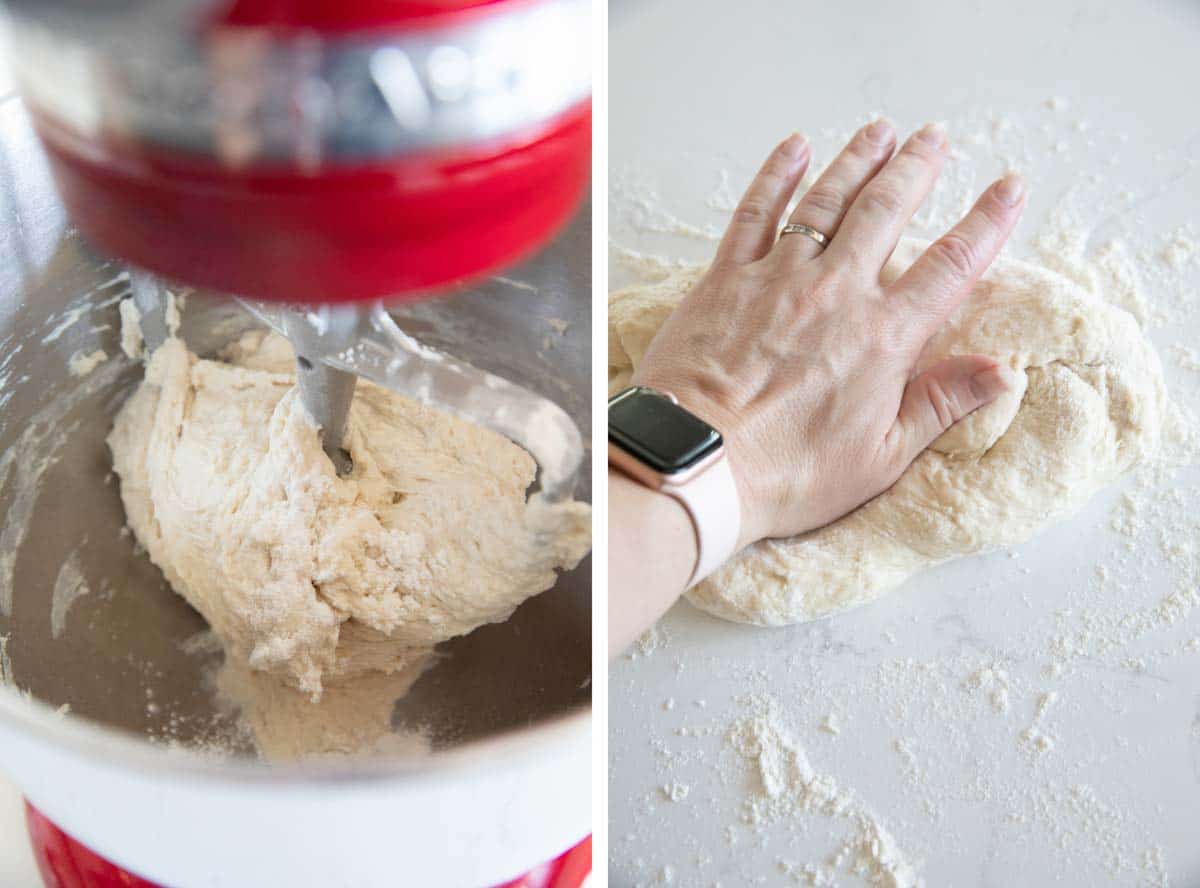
[802,358]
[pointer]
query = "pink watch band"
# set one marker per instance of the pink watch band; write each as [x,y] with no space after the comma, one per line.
[711,500]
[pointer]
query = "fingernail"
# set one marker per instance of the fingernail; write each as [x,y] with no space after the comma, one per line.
[794,146]
[931,134]
[879,132]
[991,383]
[1011,189]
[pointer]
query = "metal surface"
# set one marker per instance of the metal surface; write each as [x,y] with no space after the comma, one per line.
[325,391]
[247,95]
[507,693]
[152,307]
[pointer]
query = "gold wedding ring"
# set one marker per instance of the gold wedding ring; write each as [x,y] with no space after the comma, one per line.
[794,228]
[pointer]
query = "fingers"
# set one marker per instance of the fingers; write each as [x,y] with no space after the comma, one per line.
[944,274]
[825,203]
[751,231]
[940,397]
[877,217]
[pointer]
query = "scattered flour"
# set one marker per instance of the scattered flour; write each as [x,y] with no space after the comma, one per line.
[786,787]
[993,682]
[676,792]
[831,725]
[649,642]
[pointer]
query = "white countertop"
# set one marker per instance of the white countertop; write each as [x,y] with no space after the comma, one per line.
[934,691]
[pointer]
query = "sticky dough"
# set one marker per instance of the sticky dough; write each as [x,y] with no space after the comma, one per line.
[1088,406]
[313,578]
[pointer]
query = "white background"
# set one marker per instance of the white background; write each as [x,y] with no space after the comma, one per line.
[701,89]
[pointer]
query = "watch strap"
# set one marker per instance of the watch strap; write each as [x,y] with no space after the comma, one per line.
[711,500]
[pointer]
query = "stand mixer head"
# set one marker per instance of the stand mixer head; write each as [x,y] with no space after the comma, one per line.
[326,156]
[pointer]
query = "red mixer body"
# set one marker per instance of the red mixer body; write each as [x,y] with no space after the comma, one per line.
[350,15]
[403,227]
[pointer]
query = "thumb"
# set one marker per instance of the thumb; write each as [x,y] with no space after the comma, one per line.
[941,396]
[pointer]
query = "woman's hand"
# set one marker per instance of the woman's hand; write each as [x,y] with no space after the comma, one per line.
[802,358]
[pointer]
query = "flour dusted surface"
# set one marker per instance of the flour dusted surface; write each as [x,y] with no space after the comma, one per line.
[785,788]
[307,577]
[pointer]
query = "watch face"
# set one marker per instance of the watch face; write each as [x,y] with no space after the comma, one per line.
[659,432]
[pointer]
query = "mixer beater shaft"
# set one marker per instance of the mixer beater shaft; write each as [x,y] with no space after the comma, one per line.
[151,302]
[325,391]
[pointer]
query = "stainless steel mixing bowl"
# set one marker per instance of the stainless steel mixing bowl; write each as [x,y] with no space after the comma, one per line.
[507,707]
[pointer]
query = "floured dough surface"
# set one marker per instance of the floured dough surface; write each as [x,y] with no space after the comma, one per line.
[1088,406]
[307,577]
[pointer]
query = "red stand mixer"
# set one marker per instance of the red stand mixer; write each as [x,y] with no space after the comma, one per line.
[324,154]
[316,160]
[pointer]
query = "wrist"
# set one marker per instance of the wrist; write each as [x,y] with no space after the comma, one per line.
[651,554]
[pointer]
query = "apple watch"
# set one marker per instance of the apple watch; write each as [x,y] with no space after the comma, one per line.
[662,445]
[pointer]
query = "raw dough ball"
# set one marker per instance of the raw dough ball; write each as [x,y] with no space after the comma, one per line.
[1088,406]
[308,576]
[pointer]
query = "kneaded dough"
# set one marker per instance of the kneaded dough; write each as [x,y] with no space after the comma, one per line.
[309,577]
[1087,406]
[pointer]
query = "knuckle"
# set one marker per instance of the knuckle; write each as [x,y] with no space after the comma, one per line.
[752,209]
[993,213]
[863,148]
[944,403]
[778,166]
[825,198]
[955,254]
[920,152]
[883,198]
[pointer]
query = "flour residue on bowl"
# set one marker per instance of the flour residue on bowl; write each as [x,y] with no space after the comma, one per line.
[69,586]
[83,363]
[24,464]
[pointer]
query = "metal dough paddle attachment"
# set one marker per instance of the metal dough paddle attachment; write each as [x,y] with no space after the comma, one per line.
[335,344]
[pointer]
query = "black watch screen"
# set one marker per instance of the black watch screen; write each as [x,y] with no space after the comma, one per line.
[659,432]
